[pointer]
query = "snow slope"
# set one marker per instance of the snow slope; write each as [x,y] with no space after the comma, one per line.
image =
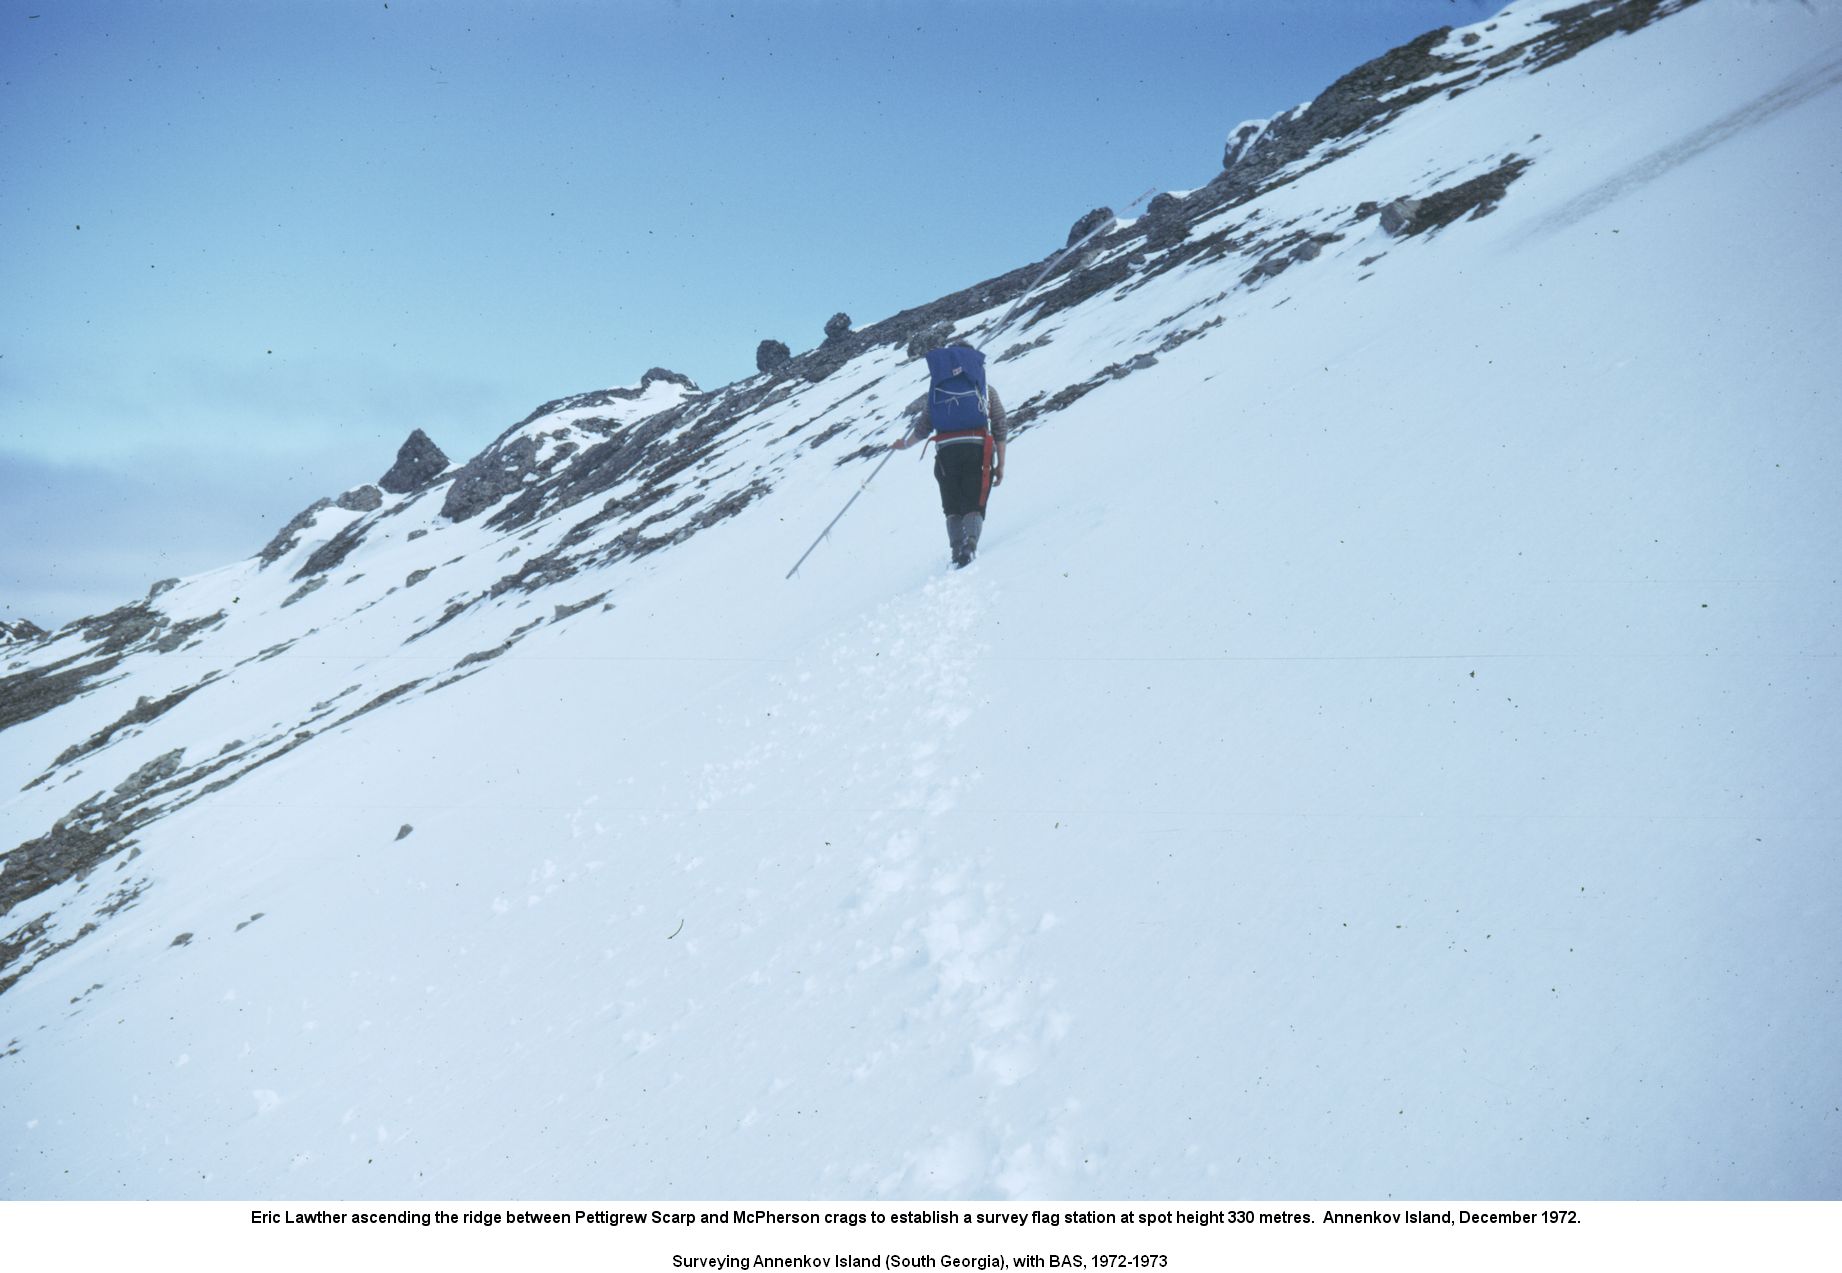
[1387,746]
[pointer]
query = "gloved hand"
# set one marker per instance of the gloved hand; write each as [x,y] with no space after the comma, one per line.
[997,476]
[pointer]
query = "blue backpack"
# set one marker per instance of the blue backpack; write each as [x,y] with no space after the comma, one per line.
[956,399]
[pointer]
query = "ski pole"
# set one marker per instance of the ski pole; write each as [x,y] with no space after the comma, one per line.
[841,512]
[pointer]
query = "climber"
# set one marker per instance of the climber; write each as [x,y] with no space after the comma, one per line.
[966,421]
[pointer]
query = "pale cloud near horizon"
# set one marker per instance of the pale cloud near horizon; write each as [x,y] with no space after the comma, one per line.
[113,489]
[292,407]
[81,537]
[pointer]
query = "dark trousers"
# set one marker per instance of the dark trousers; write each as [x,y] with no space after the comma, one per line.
[963,470]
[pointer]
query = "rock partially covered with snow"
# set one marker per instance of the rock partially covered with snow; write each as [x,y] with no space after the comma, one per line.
[1377,89]
[662,375]
[1476,197]
[419,462]
[290,535]
[533,448]
[1398,215]
[489,477]
[1441,62]
[20,630]
[1242,140]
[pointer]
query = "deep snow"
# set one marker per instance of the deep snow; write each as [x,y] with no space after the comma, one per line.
[1386,748]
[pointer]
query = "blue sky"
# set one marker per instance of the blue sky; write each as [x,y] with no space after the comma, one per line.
[246,247]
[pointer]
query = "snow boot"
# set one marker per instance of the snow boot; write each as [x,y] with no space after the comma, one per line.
[969,530]
[956,538]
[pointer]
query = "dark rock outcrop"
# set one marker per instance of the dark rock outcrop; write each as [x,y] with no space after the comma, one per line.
[606,397]
[109,638]
[771,356]
[1374,93]
[361,499]
[934,337]
[145,711]
[511,467]
[311,586]
[1477,197]
[656,374]
[1364,99]
[94,830]
[155,771]
[1080,285]
[1581,26]
[1240,140]
[1374,90]
[20,630]
[488,478]
[121,628]
[1088,225]
[1397,215]
[1164,221]
[838,326]
[288,536]
[335,550]
[32,693]
[419,462]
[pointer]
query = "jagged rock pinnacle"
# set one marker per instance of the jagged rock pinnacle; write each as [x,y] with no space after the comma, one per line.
[419,461]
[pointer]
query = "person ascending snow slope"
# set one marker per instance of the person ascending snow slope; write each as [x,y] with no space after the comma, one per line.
[967,421]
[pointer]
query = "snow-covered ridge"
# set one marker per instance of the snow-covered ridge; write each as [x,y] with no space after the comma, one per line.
[1412,597]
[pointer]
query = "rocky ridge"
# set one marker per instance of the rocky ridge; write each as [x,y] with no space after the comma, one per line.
[20,630]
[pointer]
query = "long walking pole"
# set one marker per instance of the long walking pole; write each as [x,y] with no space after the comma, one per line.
[841,512]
